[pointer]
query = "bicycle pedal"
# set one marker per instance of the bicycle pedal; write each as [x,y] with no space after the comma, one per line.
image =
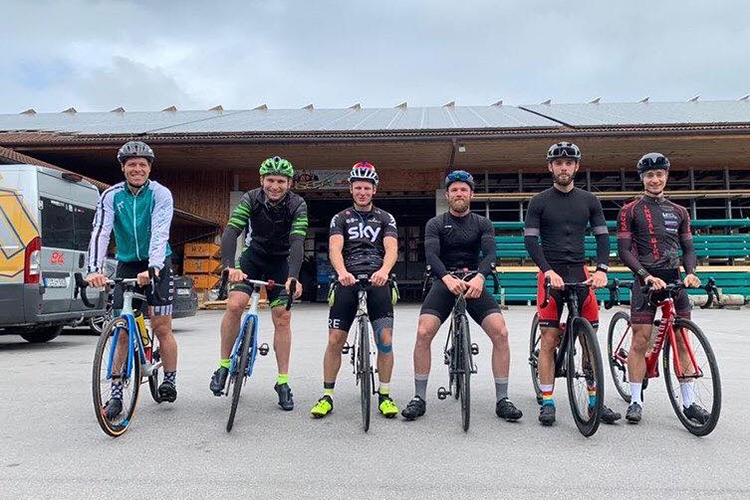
[474,349]
[263,349]
[346,348]
[446,360]
[442,393]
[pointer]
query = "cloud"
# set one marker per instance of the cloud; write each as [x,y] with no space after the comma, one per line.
[95,55]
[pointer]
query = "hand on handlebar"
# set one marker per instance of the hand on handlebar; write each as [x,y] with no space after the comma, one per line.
[297,289]
[597,280]
[144,278]
[235,275]
[379,278]
[347,279]
[455,285]
[96,280]
[474,287]
[692,281]
[555,280]
[656,283]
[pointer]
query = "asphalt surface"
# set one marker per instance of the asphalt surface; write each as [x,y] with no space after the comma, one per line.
[52,447]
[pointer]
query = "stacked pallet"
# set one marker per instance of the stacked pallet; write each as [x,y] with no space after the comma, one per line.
[203,264]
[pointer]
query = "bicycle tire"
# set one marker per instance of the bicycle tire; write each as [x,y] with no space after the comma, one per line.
[155,379]
[617,368]
[364,373]
[715,410]
[455,374]
[535,345]
[464,375]
[586,417]
[98,377]
[239,376]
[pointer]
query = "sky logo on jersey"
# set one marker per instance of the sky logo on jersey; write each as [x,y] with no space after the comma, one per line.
[362,232]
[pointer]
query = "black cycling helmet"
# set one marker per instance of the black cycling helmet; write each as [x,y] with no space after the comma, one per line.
[563,150]
[135,149]
[460,176]
[652,161]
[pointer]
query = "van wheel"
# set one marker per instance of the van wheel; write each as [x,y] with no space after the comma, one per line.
[39,335]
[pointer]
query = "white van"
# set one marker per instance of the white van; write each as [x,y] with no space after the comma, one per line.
[45,224]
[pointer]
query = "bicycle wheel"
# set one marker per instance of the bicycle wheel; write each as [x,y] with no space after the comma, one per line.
[101,384]
[464,371]
[703,388]
[155,379]
[455,370]
[585,377]
[238,378]
[364,373]
[535,344]
[619,337]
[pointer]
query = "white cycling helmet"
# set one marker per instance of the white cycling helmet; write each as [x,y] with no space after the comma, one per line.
[363,171]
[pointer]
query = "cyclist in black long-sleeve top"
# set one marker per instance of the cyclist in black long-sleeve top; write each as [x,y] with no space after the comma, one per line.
[650,233]
[560,216]
[453,241]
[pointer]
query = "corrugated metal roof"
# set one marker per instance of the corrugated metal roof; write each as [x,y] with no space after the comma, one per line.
[645,113]
[277,120]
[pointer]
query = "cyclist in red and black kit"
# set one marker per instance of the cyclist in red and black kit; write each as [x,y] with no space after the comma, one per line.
[559,216]
[651,231]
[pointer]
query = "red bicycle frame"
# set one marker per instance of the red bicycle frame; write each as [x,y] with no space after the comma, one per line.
[666,327]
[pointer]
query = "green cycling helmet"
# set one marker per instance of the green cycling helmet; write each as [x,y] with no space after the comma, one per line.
[277,166]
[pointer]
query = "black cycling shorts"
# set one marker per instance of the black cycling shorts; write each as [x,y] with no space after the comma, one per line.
[344,307]
[647,314]
[439,302]
[264,268]
[164,283]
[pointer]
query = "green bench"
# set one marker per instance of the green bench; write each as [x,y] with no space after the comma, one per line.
[696,223]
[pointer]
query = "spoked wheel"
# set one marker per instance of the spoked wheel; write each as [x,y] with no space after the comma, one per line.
[238,377]
[155,379]
[364,374]
[535,345]
[464,371]
[113,346]
[585,377]
[699,385]
[619,337]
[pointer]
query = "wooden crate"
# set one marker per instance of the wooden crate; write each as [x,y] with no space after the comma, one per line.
[203,250]
[202,266]
[204,281]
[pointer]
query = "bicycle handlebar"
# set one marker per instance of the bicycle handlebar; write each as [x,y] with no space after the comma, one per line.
[461,274]
[81,285]
[566,288]
[670,289]
[223,285]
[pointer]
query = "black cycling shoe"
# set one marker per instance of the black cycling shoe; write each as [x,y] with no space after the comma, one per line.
[219,381]
[285,396]
[507,410]
[696,414]
[609,416]
[113,408]
[547,415]
[168,392]
[634,412]
[414,409]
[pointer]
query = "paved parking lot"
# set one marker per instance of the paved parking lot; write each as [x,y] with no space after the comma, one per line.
[52,447]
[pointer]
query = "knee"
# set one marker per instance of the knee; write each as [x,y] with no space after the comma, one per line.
[283,320]
[499,335]
[424,334]
[235,308]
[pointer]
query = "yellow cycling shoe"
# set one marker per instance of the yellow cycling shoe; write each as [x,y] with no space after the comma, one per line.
[386,406]
[323,407]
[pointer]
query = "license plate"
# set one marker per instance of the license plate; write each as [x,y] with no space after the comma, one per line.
[56,282]
[183,291]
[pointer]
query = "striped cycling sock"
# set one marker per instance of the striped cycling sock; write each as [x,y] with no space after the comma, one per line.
[547,399]
[171,377]
[328,389]
[592,395]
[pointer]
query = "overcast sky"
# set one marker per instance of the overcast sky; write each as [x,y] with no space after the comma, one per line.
[147,55]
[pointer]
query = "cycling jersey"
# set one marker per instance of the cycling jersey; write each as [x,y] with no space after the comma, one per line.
[561,219]
[363,234]
[650,232]
[140,221]
[274,229]
[455,242]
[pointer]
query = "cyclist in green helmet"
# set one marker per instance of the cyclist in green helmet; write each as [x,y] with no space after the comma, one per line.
[276,222]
